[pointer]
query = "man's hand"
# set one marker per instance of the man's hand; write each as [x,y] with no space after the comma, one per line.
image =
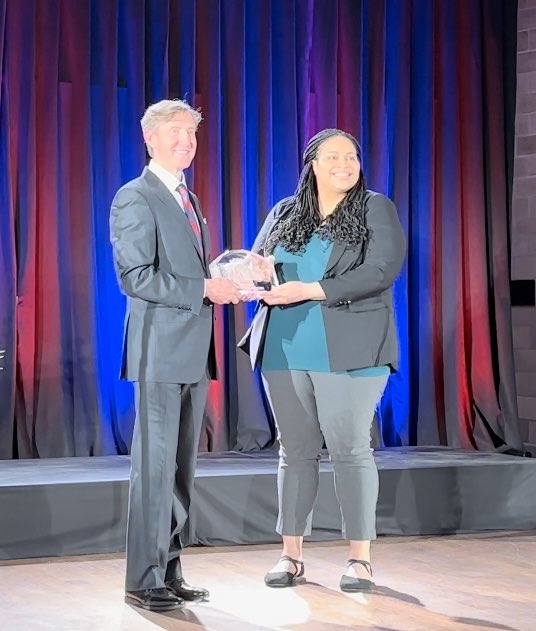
[222,291]
[293,291]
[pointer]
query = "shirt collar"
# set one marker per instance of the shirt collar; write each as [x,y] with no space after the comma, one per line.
[170,180]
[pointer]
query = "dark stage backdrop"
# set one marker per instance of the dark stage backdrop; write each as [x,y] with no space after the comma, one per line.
[428,88]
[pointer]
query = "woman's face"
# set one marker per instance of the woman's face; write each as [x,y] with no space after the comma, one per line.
[336,165]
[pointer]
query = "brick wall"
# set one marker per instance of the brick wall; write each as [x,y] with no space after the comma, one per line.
[524,217]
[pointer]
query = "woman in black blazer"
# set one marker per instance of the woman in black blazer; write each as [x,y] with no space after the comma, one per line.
[326,341]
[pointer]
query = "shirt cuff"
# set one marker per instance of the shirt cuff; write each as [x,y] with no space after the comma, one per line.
[206,301]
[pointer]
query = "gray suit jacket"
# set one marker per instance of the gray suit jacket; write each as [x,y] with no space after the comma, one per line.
[358,309]
[168,334]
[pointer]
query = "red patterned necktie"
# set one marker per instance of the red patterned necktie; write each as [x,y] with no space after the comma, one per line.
[190,213]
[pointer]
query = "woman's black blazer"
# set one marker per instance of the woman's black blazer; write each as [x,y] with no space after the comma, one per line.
[358,309]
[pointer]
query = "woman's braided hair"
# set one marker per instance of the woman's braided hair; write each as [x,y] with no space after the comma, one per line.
[345,225]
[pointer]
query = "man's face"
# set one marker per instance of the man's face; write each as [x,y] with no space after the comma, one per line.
[174,143]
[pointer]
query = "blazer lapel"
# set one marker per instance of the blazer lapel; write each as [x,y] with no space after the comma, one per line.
[339,248]
[159,190]
[205,235]
[336,253]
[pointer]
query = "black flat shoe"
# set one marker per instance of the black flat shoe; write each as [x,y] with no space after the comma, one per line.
[285,579]
[181,589]
[158,599]
[351,584]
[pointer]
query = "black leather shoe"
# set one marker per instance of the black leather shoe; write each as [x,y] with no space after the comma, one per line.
[351,584]
[285,579]
[158,599]
[181,589]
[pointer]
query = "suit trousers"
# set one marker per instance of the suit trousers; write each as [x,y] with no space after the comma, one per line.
[338,408]
[165,443]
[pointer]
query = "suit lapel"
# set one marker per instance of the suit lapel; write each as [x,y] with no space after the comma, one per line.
[205,235]
[170,204]
[336,253]
[339,248]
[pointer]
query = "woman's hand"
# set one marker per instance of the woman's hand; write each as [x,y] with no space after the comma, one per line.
[292,292]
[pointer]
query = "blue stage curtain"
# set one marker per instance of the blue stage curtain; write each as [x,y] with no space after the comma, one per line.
[425,85]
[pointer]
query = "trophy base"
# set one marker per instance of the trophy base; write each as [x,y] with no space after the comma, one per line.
[263,285]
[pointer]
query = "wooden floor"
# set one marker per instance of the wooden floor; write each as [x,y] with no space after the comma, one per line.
[464,582]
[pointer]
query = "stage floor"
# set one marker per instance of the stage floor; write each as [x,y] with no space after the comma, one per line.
[70,506]
[475,582]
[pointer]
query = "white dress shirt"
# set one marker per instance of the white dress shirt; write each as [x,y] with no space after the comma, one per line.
[168,179]
[171,182]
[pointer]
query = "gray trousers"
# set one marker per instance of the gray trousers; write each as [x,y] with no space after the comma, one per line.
[163,459]
[310,407]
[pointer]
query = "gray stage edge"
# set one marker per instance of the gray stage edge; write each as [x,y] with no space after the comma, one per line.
[71,506]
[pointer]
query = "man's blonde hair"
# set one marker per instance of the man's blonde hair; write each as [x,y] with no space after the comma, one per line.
[162,112]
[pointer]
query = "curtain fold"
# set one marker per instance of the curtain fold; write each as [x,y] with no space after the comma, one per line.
[426,86]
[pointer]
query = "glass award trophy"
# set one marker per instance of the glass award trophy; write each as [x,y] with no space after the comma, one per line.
[250,271]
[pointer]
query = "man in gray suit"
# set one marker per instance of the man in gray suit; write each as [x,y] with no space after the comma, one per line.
[161,255]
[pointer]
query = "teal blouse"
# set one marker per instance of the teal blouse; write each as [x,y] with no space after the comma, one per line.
[296,336]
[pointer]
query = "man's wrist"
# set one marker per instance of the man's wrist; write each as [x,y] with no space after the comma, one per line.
[206,301]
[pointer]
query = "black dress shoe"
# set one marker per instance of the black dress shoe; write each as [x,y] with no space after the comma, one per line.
[181,589]
[285,579]
[158,599]
[351,584]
